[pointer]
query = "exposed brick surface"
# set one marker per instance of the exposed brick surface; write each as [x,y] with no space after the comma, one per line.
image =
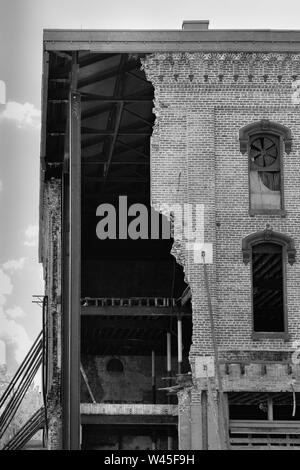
[201,102]
[51,256]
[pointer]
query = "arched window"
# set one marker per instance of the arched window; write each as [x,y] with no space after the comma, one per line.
[268,252]
[265,142]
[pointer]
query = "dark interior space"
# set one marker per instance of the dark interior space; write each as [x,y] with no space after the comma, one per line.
[130,286]
[268,296]
[264,406]
[128,437]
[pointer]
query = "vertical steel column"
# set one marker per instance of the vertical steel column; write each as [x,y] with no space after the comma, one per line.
[75,268]
[169,356]
[65,311]
[169,372]
[204,419]
[270,408]
[153,373]
[179,343]
[223,427]
[72,271]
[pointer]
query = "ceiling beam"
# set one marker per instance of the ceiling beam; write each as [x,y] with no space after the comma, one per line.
[104,75]
[92,142]
[139,78]
[138,311]
[61,95]
[119,151]
[95,97]
[115,117]
[114,139]
[116,179]
[96,111]
[125,162]
[63,55]
[90,59]
[135,150]
[89,131]
[140,118]
[117,323]
[131,131]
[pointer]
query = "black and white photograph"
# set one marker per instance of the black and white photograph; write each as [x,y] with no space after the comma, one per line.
[149,228]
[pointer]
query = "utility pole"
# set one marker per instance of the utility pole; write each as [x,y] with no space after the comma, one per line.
[222,415]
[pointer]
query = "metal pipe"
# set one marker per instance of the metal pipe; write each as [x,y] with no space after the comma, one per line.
[169,372]
[153,374]
[169,354]
[204,419]
[270,408]
[179,343]
[223,427]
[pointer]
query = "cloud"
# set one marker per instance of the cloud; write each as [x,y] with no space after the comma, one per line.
[15,312]
[15,337]
[24,115]
[1,185]
[6,287]
[31,235]
[14,264]
[2,92]
[12,333]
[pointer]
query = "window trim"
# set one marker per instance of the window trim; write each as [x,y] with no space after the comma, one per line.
[283,133]
[264,126]
[288,254]
[268,235]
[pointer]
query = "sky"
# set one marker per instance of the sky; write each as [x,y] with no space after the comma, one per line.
[21,32]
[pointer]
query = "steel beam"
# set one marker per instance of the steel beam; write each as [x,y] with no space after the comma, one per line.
[133,311]
[72,273]
[141,41]
[114,139]
[104,75]
[75,268]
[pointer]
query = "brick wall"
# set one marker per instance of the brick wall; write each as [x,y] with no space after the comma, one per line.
[133,385]
[201,102]
[51,256]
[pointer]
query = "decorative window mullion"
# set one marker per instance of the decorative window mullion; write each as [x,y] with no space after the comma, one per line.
[265,142]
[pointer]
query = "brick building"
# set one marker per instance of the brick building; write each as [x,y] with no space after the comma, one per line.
[149,344]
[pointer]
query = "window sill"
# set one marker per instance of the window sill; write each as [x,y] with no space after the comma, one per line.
[279,212]
[256,336]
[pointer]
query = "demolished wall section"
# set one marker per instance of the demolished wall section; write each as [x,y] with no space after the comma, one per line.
[201,102]
[51,257]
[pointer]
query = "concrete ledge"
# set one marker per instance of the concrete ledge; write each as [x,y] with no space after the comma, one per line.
[128,409]
[264,427]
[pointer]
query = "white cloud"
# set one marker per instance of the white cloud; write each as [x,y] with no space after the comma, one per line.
[31,235]
[2,92]
[1,185]
[15,335]
[2,352]
[12,333]
[23,114]
[14,264]
[15,312]
[6,287]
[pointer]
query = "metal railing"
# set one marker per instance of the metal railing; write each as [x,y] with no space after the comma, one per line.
[128,302]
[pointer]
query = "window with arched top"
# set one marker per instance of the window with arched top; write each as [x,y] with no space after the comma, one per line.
[265,143]
[268,252]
